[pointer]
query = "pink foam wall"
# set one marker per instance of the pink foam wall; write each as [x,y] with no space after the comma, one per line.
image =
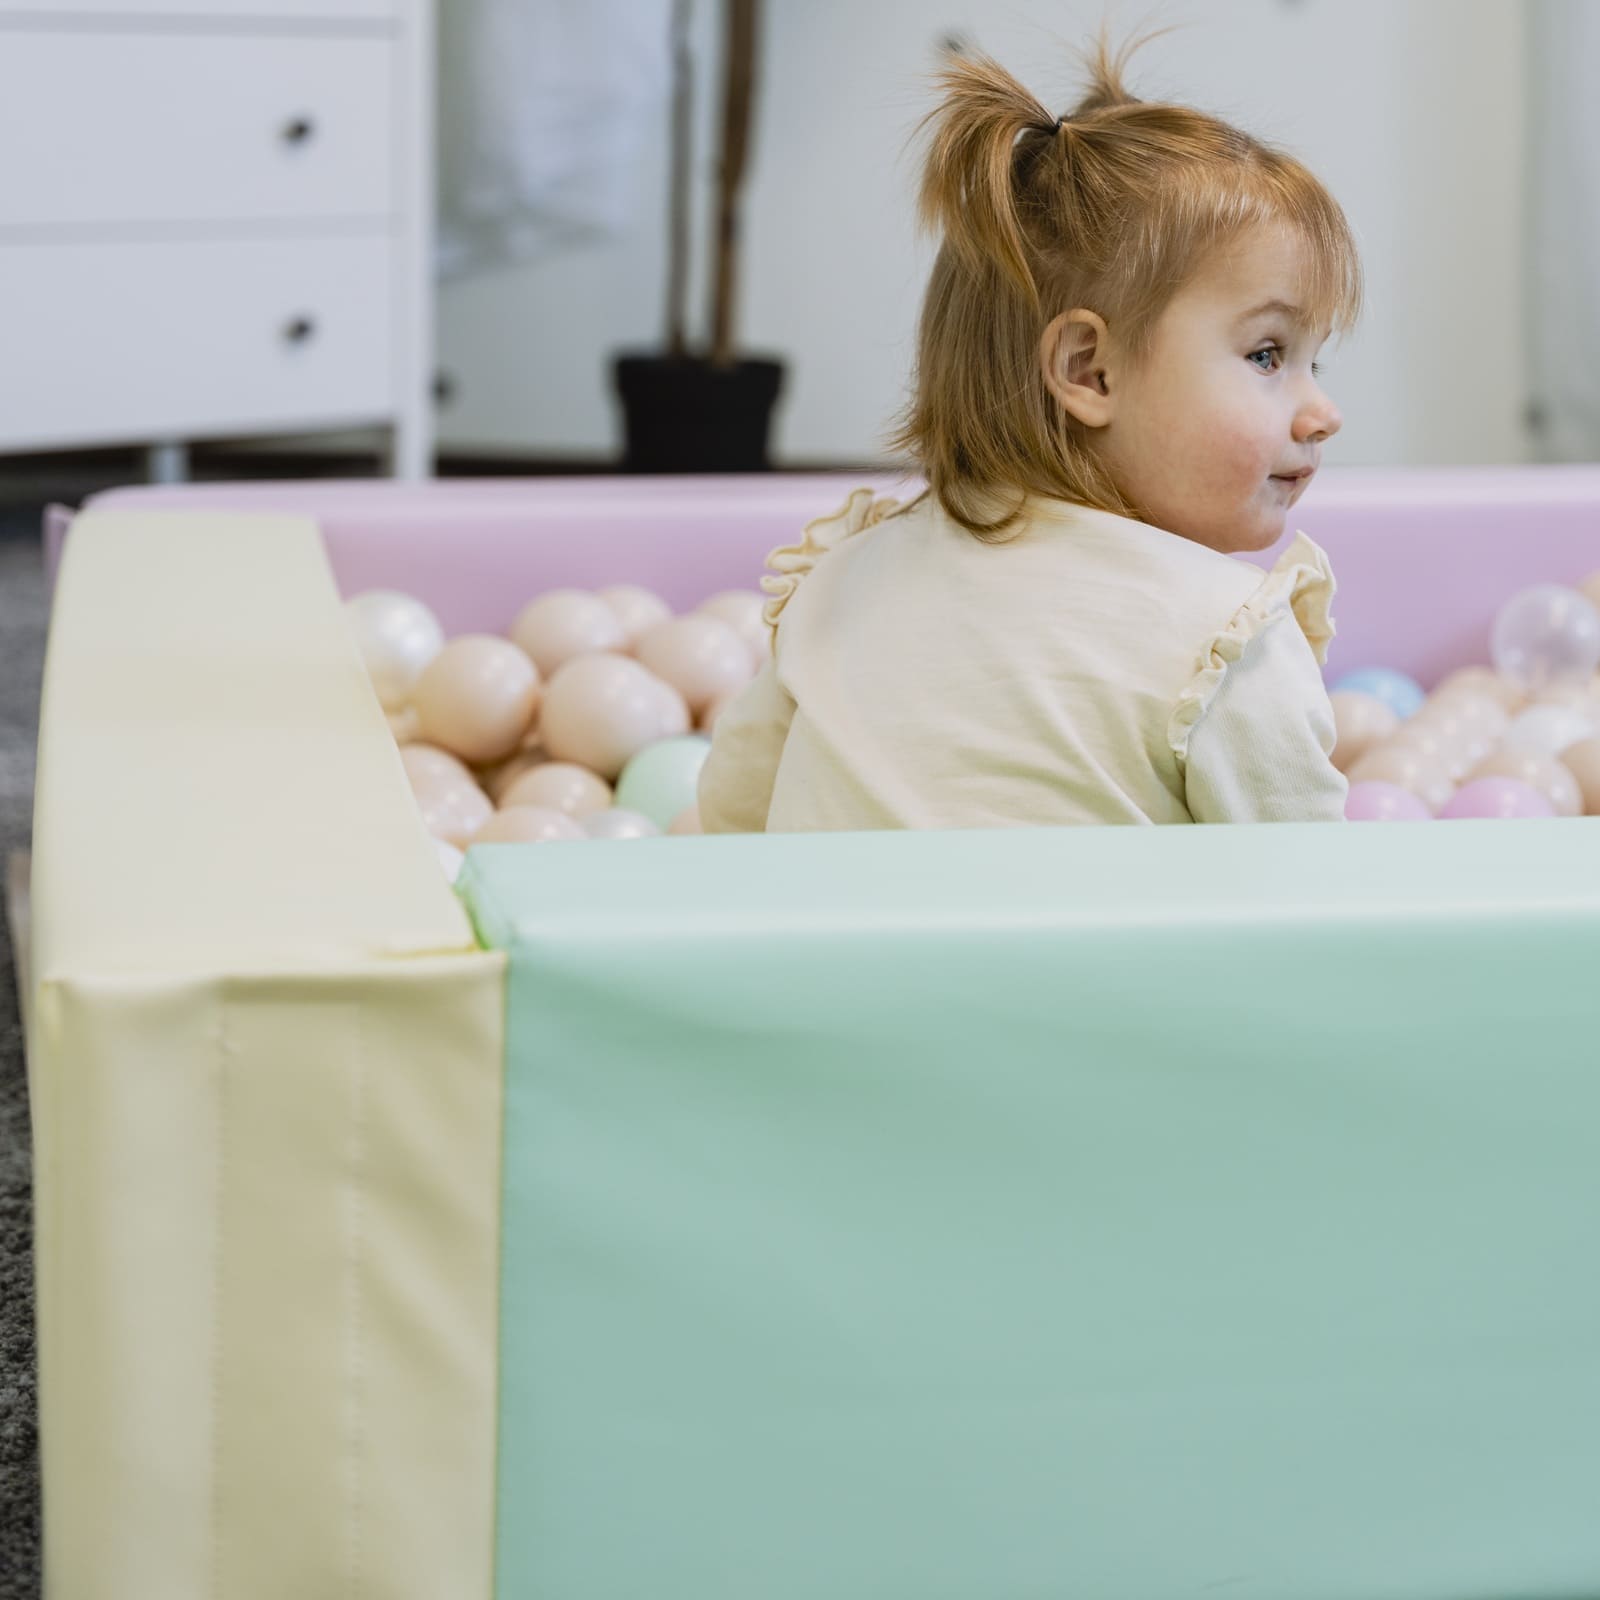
[1424,556]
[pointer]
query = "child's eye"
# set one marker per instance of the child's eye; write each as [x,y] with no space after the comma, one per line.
[1277,349]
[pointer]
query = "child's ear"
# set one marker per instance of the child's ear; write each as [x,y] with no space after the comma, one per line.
[1074,353]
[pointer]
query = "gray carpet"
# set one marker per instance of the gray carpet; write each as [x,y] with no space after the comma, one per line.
[22,628]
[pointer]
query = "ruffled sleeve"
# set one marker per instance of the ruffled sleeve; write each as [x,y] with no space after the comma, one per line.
[788,564]
[1301,586]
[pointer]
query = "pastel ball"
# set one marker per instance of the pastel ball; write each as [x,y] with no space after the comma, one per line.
[1403,696]
[477,697]
[686,823]
[701,656]
[528,825]
[1361,720]
[1546,634]
[744,610]
[556,627]
[1384,802]
[559,786]
[1499,799]
[618,823]
[601,711]
[662,781]
[1549,729]
[1545,773]
[397,636]
[637,609]
[1583,762]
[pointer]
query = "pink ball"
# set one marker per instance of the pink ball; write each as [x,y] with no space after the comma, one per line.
[1498,798]
[1384,802]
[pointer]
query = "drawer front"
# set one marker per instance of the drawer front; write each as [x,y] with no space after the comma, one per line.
[74,12]
[106,342]
[123,129]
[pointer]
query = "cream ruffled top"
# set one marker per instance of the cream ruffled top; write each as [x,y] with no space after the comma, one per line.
[1090,669]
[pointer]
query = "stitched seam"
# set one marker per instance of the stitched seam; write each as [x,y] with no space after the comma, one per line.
[355,1353]
[225,1048]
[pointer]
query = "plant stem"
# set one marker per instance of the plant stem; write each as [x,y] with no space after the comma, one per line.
[678,191]
[738,80]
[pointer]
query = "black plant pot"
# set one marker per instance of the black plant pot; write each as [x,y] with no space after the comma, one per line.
[681,414]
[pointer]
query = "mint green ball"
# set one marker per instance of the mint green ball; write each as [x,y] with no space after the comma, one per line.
[663,778]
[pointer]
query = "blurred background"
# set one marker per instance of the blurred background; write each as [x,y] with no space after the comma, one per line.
[270,238]
[253,237]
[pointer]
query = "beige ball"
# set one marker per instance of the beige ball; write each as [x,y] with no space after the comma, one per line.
[559,786]
[1362,720]
[405,726]
[527,825]
[427,763]
[686,823]
[1554,781]
[1583,762]
[477,697]
[1461,729]
[563,624]
[638,610]
[702,658]
[675,718]
[600,711]
[498,777]
[1484,681]
[742,609]
[1590,588]
[453,807]
[1420,771]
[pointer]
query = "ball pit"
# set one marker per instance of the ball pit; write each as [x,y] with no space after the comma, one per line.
[906,1172]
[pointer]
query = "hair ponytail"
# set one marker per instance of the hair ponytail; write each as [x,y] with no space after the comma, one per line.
[1113,207]
[968,191]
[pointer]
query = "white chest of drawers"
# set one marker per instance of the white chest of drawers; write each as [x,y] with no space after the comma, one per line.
[215,220]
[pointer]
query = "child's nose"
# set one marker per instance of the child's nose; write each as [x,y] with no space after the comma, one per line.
[1317,422]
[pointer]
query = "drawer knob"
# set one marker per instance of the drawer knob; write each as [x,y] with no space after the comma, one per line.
[299,330]
[298,130]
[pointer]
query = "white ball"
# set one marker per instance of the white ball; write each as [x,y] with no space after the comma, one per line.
[638,610]
[1546,634]
[564,624]
[618,823]
[397,636]
[1547,730]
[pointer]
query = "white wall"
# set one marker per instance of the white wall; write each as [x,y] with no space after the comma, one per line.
[1410,110]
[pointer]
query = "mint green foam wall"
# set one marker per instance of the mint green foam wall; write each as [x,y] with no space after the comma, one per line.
[1109,1213]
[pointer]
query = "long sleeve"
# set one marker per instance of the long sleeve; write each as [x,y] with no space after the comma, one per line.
[737,779]
[1260,752]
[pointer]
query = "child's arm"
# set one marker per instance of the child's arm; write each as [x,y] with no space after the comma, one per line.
[1260,752]
[736,781]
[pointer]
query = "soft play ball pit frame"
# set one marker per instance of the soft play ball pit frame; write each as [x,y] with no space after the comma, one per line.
[1106,1212]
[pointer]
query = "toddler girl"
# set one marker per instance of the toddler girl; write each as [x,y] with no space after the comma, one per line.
[1115,397]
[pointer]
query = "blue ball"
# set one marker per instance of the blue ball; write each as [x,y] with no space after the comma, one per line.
[1404,696]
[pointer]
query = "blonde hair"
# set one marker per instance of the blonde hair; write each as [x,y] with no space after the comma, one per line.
[1113,207]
